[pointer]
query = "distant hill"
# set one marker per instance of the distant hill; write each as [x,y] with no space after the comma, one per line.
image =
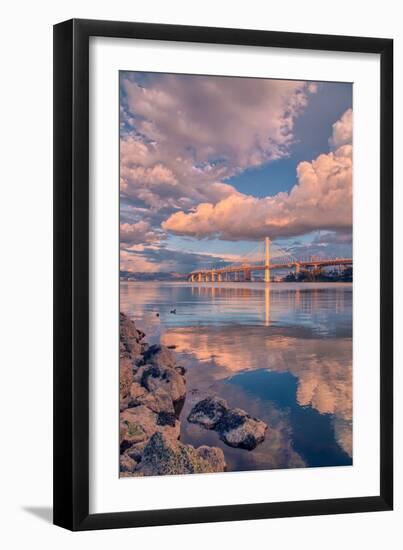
[147,276]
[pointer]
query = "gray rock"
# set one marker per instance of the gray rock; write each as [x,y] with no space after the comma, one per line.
[153,377]
[164,456]
[160,356]
[238,429]
[208,412]
[234,426]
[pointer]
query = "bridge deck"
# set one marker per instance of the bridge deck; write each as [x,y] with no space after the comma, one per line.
[289,265]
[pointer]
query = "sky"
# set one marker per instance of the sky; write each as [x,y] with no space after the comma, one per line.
[210,166]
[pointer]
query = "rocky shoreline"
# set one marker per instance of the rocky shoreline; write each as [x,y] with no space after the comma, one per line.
[152,392]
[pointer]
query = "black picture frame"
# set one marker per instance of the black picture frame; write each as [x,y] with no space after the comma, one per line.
[71,274]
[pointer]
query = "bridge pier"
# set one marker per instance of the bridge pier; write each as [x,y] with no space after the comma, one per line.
[200,277]
[212,277]
[219,276]
[247,275]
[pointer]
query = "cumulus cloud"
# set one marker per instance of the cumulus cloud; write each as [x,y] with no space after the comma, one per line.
[138,233]
[322,199]
[152,176]
[184,134]
[342,131]
[190,113]
[321,244]
[152,258]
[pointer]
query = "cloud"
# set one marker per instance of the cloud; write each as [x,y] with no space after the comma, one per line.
[322,244]
[182,135]
[153,176]
[201,115]
[338,238]
[342,131]
[141,259]
[323,368]
[137,233]
[322,199]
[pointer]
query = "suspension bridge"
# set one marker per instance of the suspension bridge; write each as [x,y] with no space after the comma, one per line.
[271,258]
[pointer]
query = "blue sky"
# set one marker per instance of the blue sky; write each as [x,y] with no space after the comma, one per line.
[210,165]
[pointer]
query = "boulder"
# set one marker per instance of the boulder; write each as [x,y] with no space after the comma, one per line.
[125,376]
[138,424]
[136,391]
[160,356]
[181,370]
[127,464]
[124,403]
[208,412]
[214,456]
[164,456]
[130,338]
[158,401]
[238,429]
[153,377]
[135,452]
[234,426]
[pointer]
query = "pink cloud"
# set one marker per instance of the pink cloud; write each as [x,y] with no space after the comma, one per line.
[182,112]
[322,199]
[138,233]
[342,131]
[197,131]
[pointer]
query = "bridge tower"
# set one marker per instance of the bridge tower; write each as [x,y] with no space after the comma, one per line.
[267,261]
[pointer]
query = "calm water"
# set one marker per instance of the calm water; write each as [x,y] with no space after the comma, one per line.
[282,352]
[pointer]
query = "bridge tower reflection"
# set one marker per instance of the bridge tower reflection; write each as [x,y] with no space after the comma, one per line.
[267,305]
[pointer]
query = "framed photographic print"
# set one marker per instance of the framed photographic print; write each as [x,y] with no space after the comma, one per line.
[223,274]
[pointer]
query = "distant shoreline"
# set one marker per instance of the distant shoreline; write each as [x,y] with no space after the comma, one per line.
[222,283]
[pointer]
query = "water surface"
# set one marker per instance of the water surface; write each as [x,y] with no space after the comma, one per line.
[282,352]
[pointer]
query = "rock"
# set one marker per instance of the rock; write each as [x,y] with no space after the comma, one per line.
[181,370]
[139,423]
[158,401]
[130,338]
[214,456]
[239,429]
[135,452]
[234,426]
[144,347]
[136,390]
[124,403]
[160,356]
[125,376]
[127,464]
[164,456]
[153,377]
[208,412]
[166,419]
